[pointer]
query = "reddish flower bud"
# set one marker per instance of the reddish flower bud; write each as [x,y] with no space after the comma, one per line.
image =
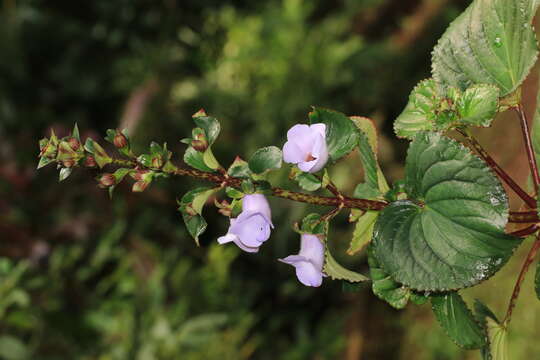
[139,186]
[90,162]
[107,180]
[200,145]
[120,140]
[157,162]
[139,175]
[68,163]
[74,144]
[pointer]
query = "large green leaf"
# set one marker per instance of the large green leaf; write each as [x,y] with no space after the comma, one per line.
[491,42]
[457,320]
[450,234]
[341,133]
[497,346]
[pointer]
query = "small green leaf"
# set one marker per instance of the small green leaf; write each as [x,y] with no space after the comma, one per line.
[491,42]
[265,159]
[64,173]
[451,233]
[369,162]
[233,193]
[457,320]
[386,289]
[341,133]
[195,159]
[312,224]
[496,347]
[209,124]
[478,105]
[239,168]
[366,191]
[363,232]
[75,133]
[191,206]
[44,161]
[337,272]
[419,114]
[121,173]
[306,181]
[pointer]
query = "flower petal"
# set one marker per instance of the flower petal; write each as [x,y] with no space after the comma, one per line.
[307,166]
[307,274]
[292,259]
[312,249]
[251,228]
[319,128]
[292,153]
[257,203]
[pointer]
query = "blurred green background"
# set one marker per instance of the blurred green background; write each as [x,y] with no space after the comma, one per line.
[83,277]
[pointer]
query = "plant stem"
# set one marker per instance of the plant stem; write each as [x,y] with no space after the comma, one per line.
[226,180]
[531,202]
[523,217]
[526,231]
[528,146]
[524,268]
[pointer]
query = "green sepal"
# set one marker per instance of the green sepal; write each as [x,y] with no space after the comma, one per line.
[65,152]
[491,42]
[497,346]
[124,150]
[191,206]
[457,320]
[386,289]
[100,155]
[265,159]
[341,133]
[451,233]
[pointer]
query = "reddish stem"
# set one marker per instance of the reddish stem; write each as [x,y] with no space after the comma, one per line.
[524,268]
[528,146]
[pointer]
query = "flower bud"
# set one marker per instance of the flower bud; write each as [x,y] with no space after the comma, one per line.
[120,140]
[157,162]
[68,163]
[90,162]
[200,145]
[74,144]
[107,180]
[140,186]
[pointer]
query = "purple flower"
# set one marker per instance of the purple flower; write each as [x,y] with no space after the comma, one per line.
[309,261]
[252,227]
[306,147]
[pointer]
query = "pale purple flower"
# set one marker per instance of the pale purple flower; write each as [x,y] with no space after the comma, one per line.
[252,227]
[309,261]
[306,147]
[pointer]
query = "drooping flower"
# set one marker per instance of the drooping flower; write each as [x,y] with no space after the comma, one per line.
[253,226]
[309,261]
[306,147]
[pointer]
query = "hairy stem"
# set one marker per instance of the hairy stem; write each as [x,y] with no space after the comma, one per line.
[225,180]
[528,146]
[526,231]
[531,202]
[524,268]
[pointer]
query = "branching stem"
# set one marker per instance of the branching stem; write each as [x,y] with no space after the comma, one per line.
[531,202]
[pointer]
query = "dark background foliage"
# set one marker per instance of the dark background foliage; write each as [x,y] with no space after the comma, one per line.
[83,277]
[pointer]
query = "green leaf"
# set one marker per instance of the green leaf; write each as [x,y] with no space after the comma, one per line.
[386,289]
[312,224]
[191,206]
[265,159]
[44,161]
[239,168]
[478,105]
[491,42]
[341,133]
[210,126]
[419,114]
[64,173]
[363,232]
[451,234]
[306,181]
[496,347]
[100,155]
[369,161]
[195,159]
[337,272]
[11,348]
[457,320]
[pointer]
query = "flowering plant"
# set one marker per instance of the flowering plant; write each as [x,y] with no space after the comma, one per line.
[441,229]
